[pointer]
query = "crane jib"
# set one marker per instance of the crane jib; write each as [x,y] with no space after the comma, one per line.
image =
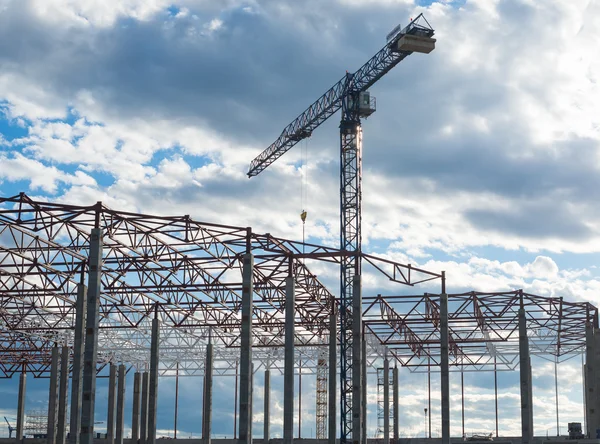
[331,101]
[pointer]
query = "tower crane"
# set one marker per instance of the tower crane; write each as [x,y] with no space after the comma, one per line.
[351,95]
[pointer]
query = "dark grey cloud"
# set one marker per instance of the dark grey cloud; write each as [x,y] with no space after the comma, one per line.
[535,220]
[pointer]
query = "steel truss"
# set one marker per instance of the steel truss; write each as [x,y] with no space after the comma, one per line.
[483,328]
[186,273]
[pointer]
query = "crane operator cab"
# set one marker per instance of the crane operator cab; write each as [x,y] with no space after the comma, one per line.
[416,37]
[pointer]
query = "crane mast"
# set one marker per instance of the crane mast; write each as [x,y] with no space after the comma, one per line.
[350,94]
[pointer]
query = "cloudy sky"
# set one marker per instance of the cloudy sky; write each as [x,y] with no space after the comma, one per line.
[482,159]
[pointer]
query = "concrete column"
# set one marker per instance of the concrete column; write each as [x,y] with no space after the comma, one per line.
[396,407]
[112,404]
[77,374]
[267,410]
[91,338]
[525,377]
[21,405]
[445,370]
[63,394]
[288,370]
[251,398]
[144,409]
[593,383]
[386,401]
[153,383]
[135,414]
[245,434]
[357,365]
[53,398]
[332,374]
[119,435]
[590,379]
[207,399]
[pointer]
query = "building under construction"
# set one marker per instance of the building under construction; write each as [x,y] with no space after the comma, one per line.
[86,287]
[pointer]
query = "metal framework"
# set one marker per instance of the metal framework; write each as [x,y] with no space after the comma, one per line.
[186,272]
[483,328]
[321,398]
[381,403]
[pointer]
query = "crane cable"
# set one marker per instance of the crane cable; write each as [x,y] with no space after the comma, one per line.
[303,187]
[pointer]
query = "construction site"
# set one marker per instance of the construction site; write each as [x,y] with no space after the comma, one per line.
[89,290]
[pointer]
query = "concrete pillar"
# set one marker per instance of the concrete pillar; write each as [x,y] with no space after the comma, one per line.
[91,338]
[288,370]
[525,377]
[592,383]
[386,401]
[53,398]
[332,374]
[112,404]
[267,410]
[245,435]
[144,409]
[396,407]
[445,370]
[135,414]
[207,398]
[153,383]
[357,365]
[119,434]
[251,398]
[77,374]
[63,394]
[21,405]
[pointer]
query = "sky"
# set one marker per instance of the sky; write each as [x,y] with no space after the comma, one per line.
[482,158]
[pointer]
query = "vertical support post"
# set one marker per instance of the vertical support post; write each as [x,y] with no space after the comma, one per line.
[208,384]
[245,435]
[91,337]
[495,393]
[332,373]
[396,406]
[235,399]
[357,365]
[120,405]
[21,404]
[176,400]
[386,401]
[288,371]
[556,393]
[144,409]
[299,399]
[445,370]
[53,398]
[462,400]
[112,404]
[251,397]
[63,394]
[135,414]
[525,376]
[266,410]
[153,382]
[429,396]
[78,351]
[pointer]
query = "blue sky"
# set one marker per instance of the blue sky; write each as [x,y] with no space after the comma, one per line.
[482,159]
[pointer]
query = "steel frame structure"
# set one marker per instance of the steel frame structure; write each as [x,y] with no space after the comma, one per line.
[185,272]
[483,328]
